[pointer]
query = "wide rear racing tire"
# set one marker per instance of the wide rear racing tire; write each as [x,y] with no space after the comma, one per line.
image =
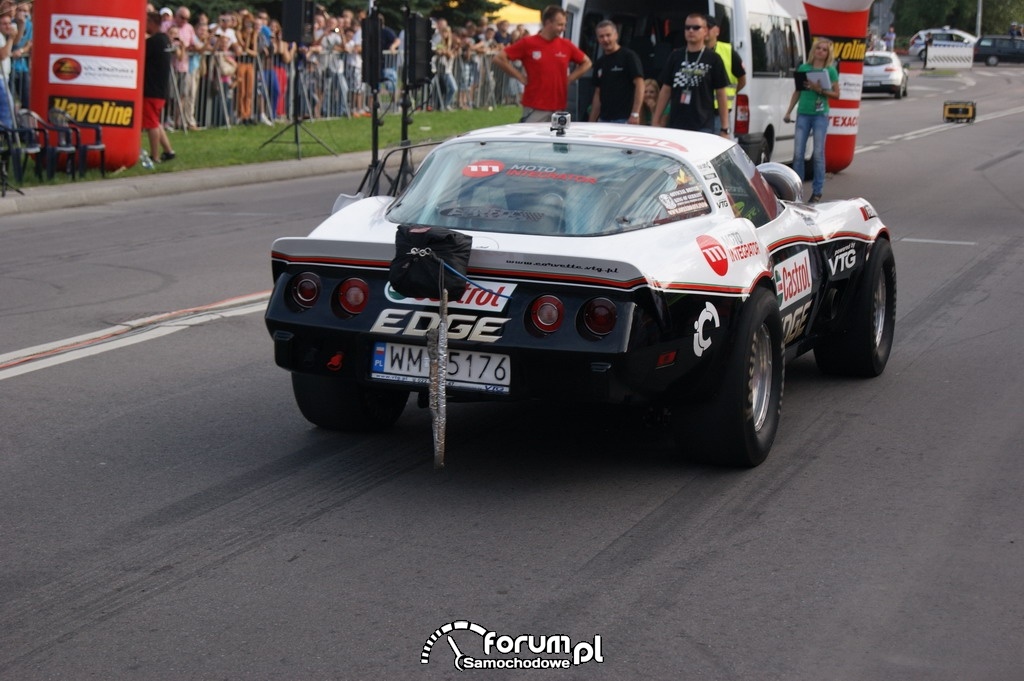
[736,426]
[862,344]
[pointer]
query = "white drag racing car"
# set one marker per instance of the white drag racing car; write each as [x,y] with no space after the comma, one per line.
[608,263]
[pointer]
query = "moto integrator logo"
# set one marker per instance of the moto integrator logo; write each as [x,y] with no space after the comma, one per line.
[517,652]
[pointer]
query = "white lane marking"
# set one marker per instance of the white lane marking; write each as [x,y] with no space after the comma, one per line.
[129,333]
[51,354]
[942,242]
[87,351]
[933,129]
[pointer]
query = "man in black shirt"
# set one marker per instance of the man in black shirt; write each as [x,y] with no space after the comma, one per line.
[618,80]
[156,87]
[692,79]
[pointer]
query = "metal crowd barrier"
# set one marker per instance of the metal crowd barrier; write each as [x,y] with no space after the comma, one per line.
[951,56]
[262,90]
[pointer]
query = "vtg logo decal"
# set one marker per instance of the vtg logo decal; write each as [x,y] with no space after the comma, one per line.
[843,260]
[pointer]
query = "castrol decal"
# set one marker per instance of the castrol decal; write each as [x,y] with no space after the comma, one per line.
[793,278]
[483,296]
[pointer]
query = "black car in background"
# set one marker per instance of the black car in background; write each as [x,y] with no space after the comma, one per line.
[993,49]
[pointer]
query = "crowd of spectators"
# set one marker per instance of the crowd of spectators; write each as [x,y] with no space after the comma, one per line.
[15,49]
[238,69]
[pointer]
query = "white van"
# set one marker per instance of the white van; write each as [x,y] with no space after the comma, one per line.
[769,40]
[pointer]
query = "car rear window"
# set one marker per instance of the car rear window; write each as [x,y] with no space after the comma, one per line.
[550,188]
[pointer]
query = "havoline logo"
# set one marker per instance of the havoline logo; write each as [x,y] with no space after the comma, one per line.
[110,112]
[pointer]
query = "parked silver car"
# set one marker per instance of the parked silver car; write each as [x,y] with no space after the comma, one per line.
[884,72]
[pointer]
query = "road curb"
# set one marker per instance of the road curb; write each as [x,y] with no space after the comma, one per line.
[97,192]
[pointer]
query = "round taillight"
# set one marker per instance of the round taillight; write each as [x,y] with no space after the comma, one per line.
[353,295]
[305,290]
[599,316]
[547,313]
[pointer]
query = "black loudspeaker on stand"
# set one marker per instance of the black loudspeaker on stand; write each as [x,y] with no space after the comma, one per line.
[297,27]
[297,22]
[417,71]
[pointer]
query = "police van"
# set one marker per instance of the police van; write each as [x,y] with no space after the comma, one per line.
[769,39]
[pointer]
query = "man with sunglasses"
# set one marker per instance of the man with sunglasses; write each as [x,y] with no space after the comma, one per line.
[693,78]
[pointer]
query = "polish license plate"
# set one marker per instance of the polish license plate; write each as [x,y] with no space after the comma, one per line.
[483,371]
[871,83]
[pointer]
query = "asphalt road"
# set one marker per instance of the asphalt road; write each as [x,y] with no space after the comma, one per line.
[166,513]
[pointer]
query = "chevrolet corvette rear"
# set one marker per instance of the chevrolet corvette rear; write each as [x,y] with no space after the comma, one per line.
[607,265]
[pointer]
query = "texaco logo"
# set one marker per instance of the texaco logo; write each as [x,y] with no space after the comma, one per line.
[62,29]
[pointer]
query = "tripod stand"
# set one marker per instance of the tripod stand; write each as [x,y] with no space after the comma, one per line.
[297,125]
[371,178]
[6,152]
[416,32]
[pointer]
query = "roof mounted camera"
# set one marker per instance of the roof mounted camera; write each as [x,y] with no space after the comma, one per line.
[560,122]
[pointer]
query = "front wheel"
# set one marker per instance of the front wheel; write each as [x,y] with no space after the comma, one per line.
[342,404]
[737,425]
[862,346]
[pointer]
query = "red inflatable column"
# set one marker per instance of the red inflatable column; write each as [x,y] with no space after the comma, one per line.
[87,58]
[845,23]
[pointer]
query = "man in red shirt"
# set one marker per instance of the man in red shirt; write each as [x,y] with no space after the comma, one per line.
[545,58]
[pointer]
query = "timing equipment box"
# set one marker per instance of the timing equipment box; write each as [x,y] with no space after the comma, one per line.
[958,112]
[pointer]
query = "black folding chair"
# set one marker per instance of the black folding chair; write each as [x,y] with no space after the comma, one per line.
[83,132]
[57,141]
[25,143]
[6,152]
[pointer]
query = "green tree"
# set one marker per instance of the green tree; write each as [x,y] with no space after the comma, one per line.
[996,15]
[458,12]
[914,15]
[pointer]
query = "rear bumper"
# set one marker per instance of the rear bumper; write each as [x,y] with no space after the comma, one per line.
[578,376]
